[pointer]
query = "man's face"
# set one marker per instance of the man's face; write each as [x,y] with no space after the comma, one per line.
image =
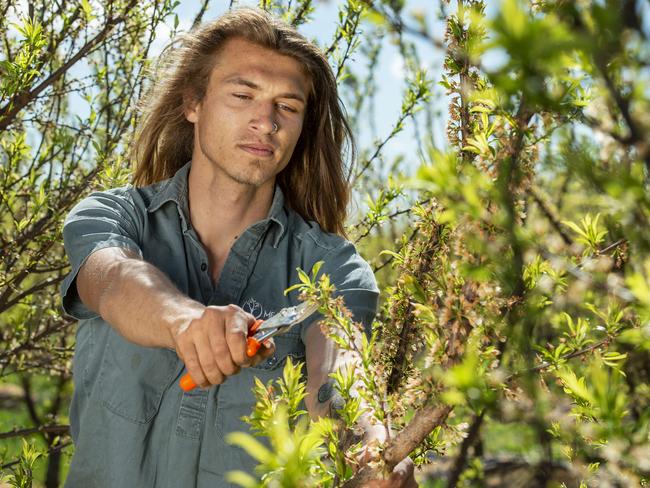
[249,121]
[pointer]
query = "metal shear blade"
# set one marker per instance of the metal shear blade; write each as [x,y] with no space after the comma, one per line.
[284,320]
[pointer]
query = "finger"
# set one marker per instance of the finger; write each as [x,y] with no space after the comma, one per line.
[221,353]
[403,474]
[236,333]
[208,362]
[191,360]
[267,350]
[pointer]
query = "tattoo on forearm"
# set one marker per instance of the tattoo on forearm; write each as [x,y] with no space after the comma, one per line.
[328,393]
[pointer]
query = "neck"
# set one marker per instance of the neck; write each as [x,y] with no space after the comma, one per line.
[221,209]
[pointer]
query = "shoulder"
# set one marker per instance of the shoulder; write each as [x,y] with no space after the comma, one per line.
[309,234]
[116,199]
[153,194]
[130,199]
[121,209]
[341,260]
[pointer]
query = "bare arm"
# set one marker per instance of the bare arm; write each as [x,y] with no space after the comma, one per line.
[323,358]
[135,297]
[145,307]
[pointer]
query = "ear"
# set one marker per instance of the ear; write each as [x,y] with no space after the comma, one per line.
[191,107]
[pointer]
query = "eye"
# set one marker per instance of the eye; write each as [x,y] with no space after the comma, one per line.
[242,96]
[287,108]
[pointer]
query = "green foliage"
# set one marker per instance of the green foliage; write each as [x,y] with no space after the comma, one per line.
[23,471]
[69,80]
[588,233]
[291,391]
[296,444]
[294,457]
[512,259]
[525,281]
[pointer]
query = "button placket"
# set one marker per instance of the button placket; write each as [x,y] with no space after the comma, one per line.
[200,256]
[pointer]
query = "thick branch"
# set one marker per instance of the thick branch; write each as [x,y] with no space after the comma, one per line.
[423,423]
[408,323]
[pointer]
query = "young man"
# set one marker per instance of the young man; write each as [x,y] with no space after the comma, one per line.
[239,181]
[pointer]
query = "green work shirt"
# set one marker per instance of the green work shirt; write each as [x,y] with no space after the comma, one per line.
[131,424]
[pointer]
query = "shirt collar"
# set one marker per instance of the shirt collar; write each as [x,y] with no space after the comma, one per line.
[278,214]
[175,190]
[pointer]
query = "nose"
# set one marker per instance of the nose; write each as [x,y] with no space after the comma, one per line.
[263,118]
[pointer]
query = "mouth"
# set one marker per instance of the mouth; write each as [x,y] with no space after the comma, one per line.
[258,149]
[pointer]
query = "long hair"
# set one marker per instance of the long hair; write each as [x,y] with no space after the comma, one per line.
[316,180]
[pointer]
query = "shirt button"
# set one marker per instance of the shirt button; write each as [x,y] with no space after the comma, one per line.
[272,361]
[204,266]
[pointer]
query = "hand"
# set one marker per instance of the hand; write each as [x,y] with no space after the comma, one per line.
[213,346]
[403,476]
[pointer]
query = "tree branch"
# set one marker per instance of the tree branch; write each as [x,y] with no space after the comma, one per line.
[461,459]
[56,429]
[21,100]
[423,423]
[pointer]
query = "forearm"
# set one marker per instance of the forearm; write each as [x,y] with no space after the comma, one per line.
[323,400]
[144,306]
[135,298]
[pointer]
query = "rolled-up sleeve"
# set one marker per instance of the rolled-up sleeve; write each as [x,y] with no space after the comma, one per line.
[104,219]
[354,281]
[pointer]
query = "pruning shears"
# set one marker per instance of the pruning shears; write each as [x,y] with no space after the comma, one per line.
[260,330]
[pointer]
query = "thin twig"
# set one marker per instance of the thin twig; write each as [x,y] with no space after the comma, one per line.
[22,99]
[468,441]
[546,364]
[58,429]
[550,215]
[388,217]
[57,448]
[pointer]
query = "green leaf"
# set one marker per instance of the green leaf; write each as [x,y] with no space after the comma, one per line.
[398,258]
[414,287]
[87,9]
[576,387]
[249,444]
[242,479]
[316,268]
[302,276]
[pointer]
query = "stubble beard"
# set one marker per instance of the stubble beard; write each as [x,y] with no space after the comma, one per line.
[253,175]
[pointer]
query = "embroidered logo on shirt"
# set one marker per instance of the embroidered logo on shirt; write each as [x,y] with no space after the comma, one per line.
[256,309]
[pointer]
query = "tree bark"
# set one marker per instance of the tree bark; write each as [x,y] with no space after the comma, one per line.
[423,423]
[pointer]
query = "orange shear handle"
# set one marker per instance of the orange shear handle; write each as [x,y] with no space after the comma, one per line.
[252,346]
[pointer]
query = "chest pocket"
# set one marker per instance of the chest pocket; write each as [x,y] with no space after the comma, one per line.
[132,378]
[235,399]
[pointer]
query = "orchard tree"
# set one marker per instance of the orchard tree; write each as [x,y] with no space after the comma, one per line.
[520,297]
[511,347]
